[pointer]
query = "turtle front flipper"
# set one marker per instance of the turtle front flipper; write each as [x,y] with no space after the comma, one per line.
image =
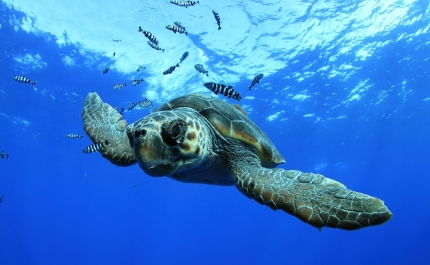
[313,198]
[101,123]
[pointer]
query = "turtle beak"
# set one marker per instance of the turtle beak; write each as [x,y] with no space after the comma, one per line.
[152,153]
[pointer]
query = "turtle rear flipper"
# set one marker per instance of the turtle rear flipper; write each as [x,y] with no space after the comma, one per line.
[313,198]
[101,123]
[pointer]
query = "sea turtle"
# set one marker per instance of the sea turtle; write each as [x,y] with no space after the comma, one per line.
[198,138]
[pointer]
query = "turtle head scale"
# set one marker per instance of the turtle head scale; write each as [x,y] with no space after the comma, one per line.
[169,142]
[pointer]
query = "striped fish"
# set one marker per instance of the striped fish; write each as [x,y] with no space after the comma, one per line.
[105,70]
[184,56]
[149,35]
[201,69]
[95,147]
[145,104]
[255,80]
[140,68]
[116,40]
[176,29]
[227,91]
[178,24]
[74,136]
[118,86]
[171,69]
[1,198]
[23,79]
[133,105]
[218,20]
[136,82]
[155,46]
[189,3]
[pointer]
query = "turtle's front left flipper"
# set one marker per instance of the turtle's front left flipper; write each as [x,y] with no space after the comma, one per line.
[313,198]
[103,123]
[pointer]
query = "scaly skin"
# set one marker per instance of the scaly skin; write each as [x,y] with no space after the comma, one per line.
[313,198]
[101,123]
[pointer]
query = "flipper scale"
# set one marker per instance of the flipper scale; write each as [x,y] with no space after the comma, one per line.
[101,123]
[312,198]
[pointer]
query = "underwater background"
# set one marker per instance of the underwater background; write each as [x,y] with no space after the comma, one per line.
[345,93]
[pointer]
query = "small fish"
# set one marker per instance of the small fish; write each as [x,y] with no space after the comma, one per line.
[140,68]
[74,102]
[184,56]
[177,23]
[176,29]
[189,3]
[136,82]
[95,147]
[23,79]
[171,69]
[155,46]
[121,111]
[218,20]
[149,35]
[145,104]
[113,54]
[105,70]
[1,198]
[201,69]
[74,136]
[118,86]
[4,155]
[133,105]
[135,186]
[116,40]
[227,91]
[256,80]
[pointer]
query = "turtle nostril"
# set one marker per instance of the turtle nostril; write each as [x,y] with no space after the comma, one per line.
[139,133]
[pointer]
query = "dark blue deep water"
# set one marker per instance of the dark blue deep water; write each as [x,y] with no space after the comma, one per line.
[350,101]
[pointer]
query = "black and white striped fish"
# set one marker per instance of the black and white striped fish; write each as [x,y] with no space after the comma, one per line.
[23,79]
[177,23]
[105,70]
[255,80]
[189,3]
[133,105]
[171,69]
[74,136]
[116,40]
[118,86]
[145,104]
[95,147]
[176,29]
[136,82]
[201,69]
[1,198]
[218,20]
[149,35]
[184,56]
[121,111]
[227,91]
[114,54]
[140,68]
[4,155]
[155,46]
[186,3]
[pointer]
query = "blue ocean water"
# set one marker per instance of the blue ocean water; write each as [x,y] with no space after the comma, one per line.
[345,94]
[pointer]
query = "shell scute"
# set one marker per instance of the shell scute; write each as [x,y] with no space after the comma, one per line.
[229,122]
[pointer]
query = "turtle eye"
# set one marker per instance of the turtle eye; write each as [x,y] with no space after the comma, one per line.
[173,132]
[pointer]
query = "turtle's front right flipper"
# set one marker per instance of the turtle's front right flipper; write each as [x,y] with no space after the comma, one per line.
[101,123]
[313,198]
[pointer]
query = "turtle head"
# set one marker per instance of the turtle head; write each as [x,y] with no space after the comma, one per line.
[170,142]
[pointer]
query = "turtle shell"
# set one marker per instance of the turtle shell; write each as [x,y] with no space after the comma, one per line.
[230,122]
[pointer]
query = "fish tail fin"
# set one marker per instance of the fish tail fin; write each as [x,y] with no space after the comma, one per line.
[33,83]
